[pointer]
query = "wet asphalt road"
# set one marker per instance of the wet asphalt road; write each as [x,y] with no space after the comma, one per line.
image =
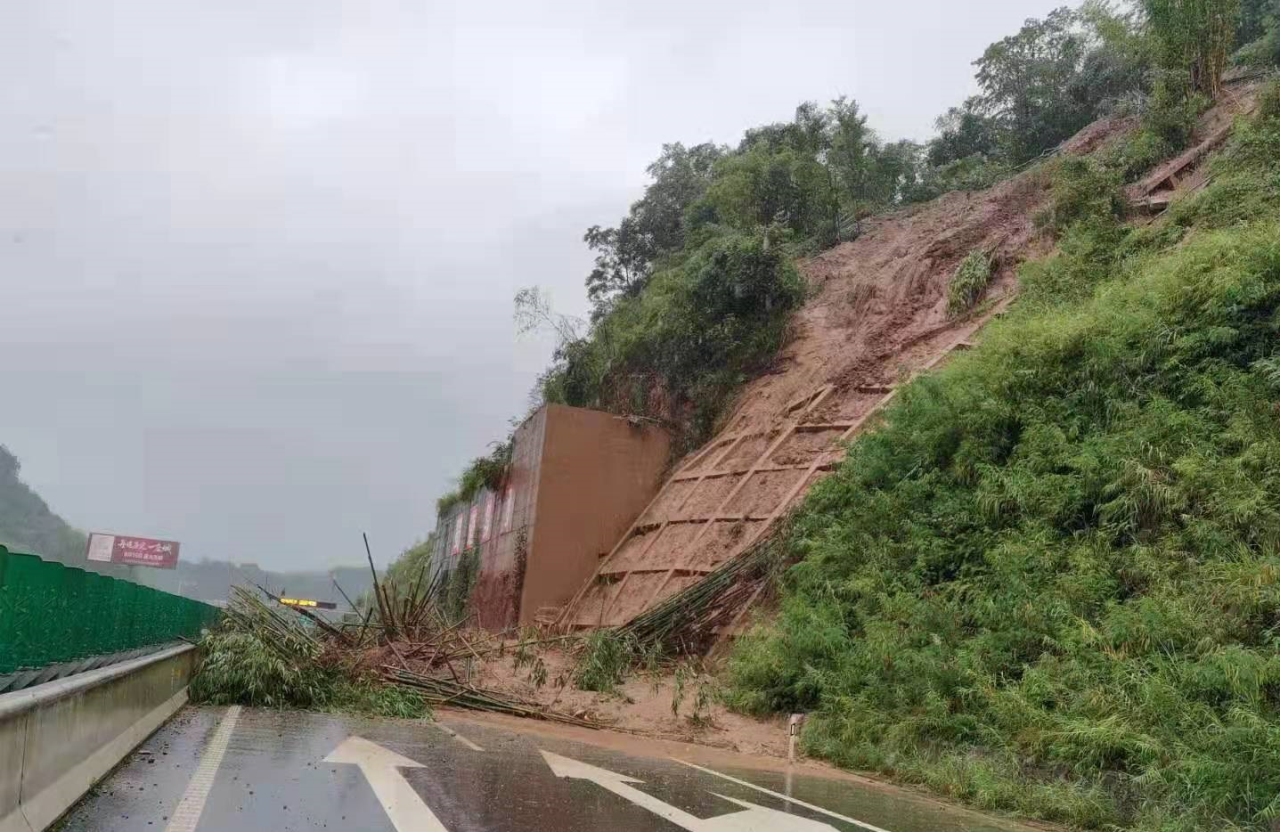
[303,771]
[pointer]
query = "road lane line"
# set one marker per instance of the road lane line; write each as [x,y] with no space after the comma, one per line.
[754,819]
[780,796]
[187,816]
[619,784]
[405,808]
[468,743]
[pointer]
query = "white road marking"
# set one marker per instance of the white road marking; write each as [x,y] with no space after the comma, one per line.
[787,798]
[187,816]
[406,810]
[468,743]
[754,819]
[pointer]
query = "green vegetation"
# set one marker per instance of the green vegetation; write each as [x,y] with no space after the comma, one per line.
[405,571]
[970,279]
[483,472]
[1049,582]
[1258,38]
[271,658]
[606,661]
[1194,37]
[27,524]
[457,587]
[677,350]
[241,668]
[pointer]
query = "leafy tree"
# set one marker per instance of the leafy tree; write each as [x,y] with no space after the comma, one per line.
[1258,36]
[1119,57]
[963,132]
[1026,82]
[622,261]
[1195,37]
[764,186]
[653,228]
[851,146]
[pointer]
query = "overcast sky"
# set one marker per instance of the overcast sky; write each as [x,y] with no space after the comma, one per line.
[258,257]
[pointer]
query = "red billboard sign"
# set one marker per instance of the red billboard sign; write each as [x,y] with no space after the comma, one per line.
[134,551]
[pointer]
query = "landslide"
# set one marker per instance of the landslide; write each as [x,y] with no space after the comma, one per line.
[1049,581]
[877,310]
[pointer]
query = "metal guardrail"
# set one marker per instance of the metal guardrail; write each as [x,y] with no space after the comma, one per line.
[54,614]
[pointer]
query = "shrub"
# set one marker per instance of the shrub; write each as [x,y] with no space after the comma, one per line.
[1084,189]
[1269,101]
[1138,154]
[678,350]
[969,281]
[605,662]
[1173,110]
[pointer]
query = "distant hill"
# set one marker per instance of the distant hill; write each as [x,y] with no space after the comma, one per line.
[28,524]
[209,580]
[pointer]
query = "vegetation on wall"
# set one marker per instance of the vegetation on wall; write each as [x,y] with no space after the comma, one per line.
[1048,582]
[459,584]
[484,472]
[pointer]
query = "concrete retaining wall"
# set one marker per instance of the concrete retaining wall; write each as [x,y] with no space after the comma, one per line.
[59,738]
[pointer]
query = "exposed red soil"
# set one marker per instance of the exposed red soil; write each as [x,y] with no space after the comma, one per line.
[877,314]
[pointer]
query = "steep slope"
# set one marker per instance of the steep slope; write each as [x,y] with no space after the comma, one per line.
[877,313]
[1047,582]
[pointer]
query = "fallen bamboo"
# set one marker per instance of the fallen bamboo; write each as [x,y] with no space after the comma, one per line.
[440,692]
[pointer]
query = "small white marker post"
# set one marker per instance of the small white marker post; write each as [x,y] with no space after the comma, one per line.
[793,731]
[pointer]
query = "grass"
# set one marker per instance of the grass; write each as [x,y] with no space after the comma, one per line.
[1050,583]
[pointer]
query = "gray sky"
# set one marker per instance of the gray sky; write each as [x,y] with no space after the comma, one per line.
[258,258]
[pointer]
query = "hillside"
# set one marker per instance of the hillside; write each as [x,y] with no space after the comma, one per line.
[27,524]
[1047,581]
[1040,578]
[878,309]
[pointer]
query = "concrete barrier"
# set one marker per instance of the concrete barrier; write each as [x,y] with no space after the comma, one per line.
[59,738]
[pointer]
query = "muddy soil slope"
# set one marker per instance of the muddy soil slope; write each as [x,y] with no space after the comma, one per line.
[876,315]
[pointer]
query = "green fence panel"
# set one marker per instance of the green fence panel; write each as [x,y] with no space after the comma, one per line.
[8,660]
[52,613]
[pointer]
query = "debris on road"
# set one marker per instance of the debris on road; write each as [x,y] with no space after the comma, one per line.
[404,640]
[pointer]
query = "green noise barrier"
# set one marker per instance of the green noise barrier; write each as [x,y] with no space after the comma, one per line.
[50,613]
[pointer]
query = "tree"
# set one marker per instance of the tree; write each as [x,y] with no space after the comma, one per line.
[851,145]
[1195,37]
[763,187]
[622,261]
[1026,84]
[963,132]
[653,228]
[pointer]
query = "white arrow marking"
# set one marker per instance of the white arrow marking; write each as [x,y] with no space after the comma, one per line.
[819,809]
[406,810]
[754,819]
